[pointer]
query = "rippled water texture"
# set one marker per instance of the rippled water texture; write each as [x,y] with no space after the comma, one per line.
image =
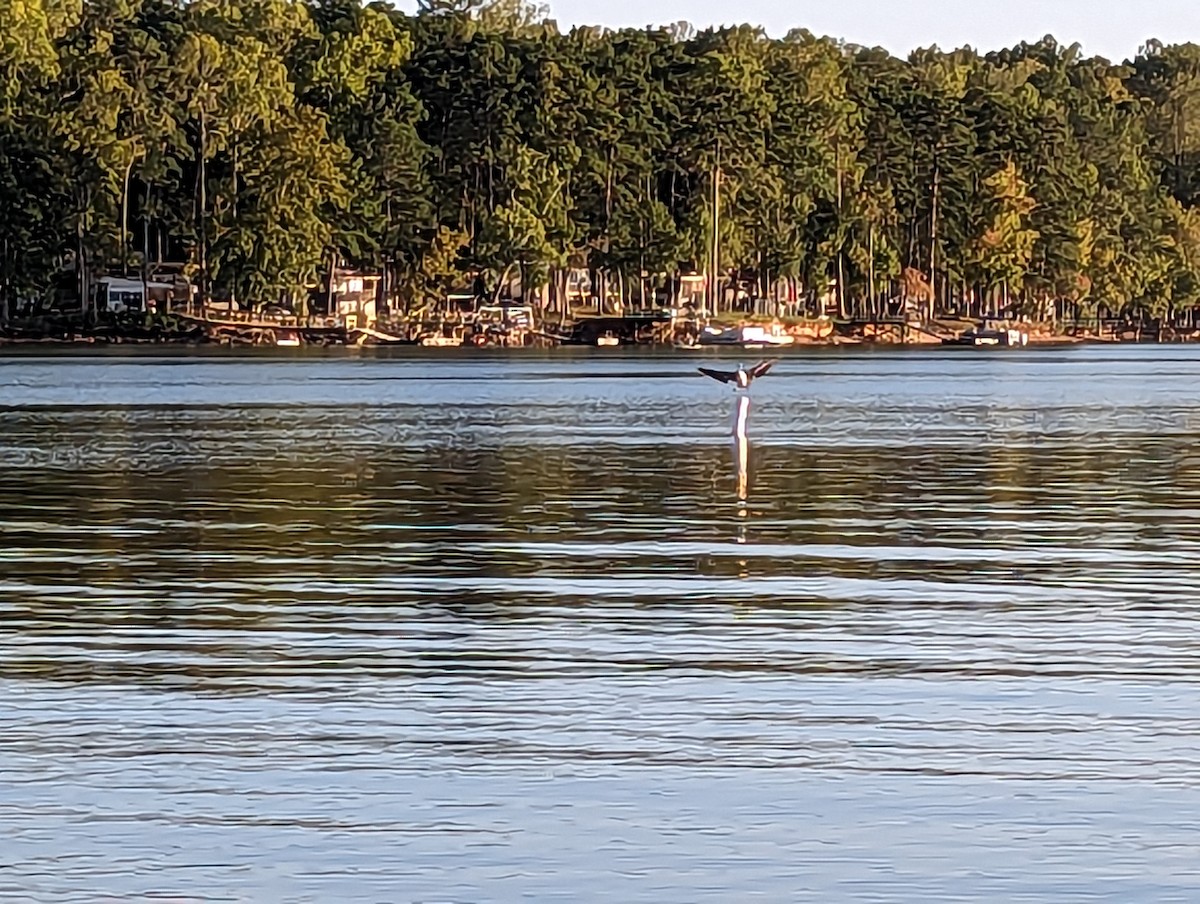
[466,628]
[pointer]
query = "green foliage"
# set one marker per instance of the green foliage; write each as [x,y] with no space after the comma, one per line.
[263,138]
[292,189]
[439,267]
[999,254]
[29,32]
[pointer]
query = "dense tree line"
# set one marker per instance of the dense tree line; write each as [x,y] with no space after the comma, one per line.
[265,141]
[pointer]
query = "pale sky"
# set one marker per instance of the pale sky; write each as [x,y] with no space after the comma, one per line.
[1109,28]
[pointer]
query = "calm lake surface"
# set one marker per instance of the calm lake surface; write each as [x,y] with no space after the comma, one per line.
[461,627]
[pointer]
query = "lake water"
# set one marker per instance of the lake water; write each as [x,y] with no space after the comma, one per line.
[469,627]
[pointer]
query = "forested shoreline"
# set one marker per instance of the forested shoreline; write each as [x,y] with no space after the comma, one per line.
[266,141]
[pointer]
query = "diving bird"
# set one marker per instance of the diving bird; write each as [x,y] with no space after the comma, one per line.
[740,378]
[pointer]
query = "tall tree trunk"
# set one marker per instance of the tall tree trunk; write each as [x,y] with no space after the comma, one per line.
[331,300]
[389,240]
[841,275]
[159,241]
[912,243]
[81,263]
[643,233]
[145,268]
[5,283]
[871,270]
[607,241]
[202,210]
[715,248]
[125,219]
[933,226]
[237,274]
[382,301]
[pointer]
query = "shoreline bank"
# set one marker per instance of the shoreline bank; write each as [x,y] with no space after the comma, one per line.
[728,333]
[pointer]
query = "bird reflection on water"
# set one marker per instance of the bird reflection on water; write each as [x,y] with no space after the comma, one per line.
[741,460]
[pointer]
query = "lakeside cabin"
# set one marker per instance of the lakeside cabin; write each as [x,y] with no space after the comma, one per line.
[121,295]
[354,299]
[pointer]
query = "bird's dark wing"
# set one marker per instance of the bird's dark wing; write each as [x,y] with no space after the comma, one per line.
[760,369]
[723,376]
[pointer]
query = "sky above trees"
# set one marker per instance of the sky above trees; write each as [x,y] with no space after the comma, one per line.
[1107,28]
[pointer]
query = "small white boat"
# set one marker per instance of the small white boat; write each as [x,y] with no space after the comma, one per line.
[746,336]
[982,337]
[608,340]
[442,341]
[287,339]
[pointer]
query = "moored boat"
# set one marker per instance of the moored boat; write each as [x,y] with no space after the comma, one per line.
[746,336]
[982,337]
[442,341]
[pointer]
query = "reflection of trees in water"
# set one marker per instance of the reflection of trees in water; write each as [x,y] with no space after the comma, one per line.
[330,505]
[213,551]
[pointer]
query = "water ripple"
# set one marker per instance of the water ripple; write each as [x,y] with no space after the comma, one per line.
[388,627]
